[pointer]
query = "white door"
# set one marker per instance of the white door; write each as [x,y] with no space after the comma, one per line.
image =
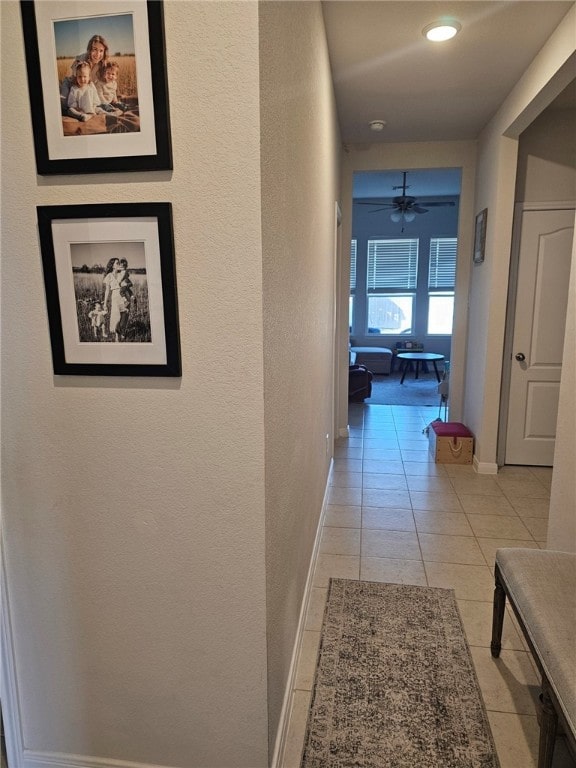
[538,337]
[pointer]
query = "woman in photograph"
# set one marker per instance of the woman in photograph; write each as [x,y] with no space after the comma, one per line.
[117,304]
[97,56]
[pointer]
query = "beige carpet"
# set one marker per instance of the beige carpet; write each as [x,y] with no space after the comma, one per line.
[395,686]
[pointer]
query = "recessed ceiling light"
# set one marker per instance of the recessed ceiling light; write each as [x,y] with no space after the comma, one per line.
[377,125]
[439,31]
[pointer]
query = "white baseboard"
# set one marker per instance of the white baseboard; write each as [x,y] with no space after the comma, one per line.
[485,467]
[62,760]
[284,722]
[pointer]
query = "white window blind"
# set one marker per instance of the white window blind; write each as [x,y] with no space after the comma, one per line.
[392,264]
[352,266]
[442,272]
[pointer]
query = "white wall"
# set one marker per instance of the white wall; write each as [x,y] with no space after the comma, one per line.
[547,158]
[374,157]
[154,584]
[547,172]
[549,73]
[562,518]
[300,147]
[133,510]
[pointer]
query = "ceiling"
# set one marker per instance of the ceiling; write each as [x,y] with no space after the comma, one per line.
[383,68]
[431,182]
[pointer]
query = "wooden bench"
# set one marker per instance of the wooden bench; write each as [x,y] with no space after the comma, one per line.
[541,588]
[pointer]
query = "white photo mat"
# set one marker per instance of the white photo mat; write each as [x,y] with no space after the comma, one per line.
[66,233]
[143,142]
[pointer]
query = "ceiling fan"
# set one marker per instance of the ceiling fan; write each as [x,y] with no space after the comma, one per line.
[404,207]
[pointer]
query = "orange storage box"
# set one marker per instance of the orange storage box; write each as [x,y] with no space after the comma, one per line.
[450,442]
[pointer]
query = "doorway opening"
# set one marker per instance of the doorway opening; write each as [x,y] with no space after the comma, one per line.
[403,261]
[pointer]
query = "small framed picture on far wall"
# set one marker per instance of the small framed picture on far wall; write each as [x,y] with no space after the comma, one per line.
[480,236]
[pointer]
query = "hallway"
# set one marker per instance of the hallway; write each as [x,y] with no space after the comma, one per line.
[393,515]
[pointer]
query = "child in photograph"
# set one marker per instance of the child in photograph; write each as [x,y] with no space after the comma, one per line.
[126,284]
[83,101]
[107,88]
[97,316]
[96,55]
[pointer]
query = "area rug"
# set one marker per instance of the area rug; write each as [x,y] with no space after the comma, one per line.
[394,684]
[387,390]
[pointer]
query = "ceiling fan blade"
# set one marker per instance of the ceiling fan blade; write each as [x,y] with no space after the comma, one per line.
[419,209]
[377,202]
[451,204]
[385,208]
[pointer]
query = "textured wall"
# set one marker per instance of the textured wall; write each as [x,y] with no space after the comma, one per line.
[497,163]
[562,519]
[547,172]
[547,158]
[133,510]
[299,190]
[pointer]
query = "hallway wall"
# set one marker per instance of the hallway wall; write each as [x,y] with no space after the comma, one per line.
[133,509]
[300,152]
[547,172]
[548,75]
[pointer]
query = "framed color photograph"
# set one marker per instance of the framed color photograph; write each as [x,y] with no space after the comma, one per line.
[110,283]
[480,236]
[97,85]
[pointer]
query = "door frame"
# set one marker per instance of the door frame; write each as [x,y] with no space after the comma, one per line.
[519,210]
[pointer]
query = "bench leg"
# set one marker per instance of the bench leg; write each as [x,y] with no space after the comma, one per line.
[548,728]
[497,616]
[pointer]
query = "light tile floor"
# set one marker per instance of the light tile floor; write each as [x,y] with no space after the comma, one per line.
[393,515]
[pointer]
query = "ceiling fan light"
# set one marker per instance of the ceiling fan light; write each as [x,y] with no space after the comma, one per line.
[396,217]
[440,31]
[409,216]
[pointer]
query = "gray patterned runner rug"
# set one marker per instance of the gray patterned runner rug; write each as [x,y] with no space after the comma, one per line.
[394,685]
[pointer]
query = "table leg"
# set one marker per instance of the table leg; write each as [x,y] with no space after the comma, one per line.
[404,369]
[436,371]
[417,369]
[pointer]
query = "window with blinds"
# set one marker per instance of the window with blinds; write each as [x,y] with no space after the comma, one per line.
[353,249]
[392,265]
[442,269]
[441,281]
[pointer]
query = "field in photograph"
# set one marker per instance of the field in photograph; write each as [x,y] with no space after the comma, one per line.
[127,85]
[89,288]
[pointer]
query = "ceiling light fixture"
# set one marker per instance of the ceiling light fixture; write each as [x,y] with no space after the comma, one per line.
[440,31]
[377,125]
[402,216]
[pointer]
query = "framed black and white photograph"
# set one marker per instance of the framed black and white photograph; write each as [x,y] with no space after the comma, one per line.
[110,281]
[480,236]
[97,85]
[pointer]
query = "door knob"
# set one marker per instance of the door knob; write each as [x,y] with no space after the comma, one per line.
[520,357]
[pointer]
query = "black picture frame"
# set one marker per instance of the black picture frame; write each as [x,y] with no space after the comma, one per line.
[86,340]
[138,139]
[480,236]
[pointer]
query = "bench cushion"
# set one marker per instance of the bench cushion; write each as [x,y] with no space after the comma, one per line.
[542,586]
[376,359]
